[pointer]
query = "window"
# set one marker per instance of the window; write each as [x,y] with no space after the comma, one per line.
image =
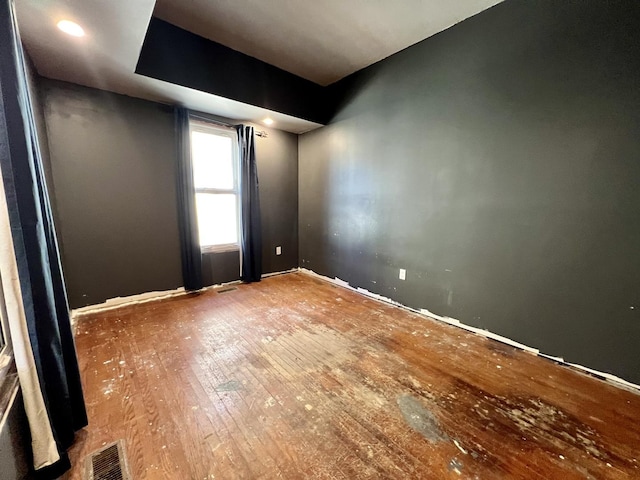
[4,326]
[214,155]
[6,353]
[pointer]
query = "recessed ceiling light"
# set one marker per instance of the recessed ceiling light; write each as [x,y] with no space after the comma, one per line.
[267,121]
[71,28]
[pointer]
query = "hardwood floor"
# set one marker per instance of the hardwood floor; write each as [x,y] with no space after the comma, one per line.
[296,378]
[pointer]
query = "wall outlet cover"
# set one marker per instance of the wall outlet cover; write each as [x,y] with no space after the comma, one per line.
[403,274]
[278,250]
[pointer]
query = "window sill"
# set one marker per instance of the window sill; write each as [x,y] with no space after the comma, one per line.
[8,386]
[220,249]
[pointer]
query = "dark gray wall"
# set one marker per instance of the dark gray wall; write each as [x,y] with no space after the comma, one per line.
[113,179]
[277,158]
[499,163]
[112,159]
[220,267]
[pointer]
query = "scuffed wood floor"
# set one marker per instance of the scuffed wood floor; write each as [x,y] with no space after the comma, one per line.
[296,378]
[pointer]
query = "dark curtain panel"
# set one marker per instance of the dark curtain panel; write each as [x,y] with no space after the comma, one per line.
[187,216]
[37,255]
[251,233]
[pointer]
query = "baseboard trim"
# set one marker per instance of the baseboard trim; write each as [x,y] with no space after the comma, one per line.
[140,298]
[273,274]
[607,377]
[118,302]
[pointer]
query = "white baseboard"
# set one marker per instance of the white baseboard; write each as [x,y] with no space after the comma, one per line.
[119,302]
[267,275]
[614,380]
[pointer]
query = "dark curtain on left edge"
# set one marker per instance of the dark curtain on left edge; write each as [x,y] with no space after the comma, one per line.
[36,250]
[251,230]
[190,251]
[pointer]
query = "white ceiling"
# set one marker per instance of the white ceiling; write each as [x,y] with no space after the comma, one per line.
[322,40]
[106,57]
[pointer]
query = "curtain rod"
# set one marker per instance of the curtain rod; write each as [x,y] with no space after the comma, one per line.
[211,120]
[258,133]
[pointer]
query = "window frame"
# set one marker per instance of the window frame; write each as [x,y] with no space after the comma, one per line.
[202,126]
[6,351]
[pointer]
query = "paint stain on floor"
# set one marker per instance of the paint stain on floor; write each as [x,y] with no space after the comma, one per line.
[230,386]
[421,419]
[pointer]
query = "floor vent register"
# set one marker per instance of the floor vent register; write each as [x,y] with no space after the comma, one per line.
[108,463]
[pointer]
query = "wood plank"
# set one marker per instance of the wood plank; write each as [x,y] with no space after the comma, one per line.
[297,378]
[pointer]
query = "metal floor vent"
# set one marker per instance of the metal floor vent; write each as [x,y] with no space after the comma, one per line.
[108,463]
[227,289]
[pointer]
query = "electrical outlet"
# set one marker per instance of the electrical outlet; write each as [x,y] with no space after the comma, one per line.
[403,274]
[278,250]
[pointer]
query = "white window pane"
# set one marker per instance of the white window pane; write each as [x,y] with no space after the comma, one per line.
[212,157]
[217,218]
